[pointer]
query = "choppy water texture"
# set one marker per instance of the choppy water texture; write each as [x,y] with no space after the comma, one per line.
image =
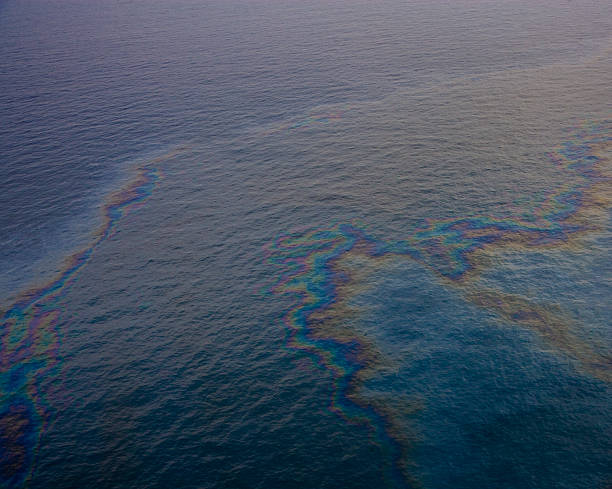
[306,244]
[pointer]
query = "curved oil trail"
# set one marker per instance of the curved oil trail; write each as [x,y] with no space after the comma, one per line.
[309,260]
[29,337]
[451,248]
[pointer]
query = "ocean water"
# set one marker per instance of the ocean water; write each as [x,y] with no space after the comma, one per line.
[316,244]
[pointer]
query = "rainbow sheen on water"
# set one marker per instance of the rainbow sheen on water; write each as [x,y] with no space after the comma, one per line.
[30,336]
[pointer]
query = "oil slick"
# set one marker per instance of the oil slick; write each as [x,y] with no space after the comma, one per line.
[31,332]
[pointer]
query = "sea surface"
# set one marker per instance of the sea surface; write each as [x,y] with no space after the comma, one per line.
[306,244]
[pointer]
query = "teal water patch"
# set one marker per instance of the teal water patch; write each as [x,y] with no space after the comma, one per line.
[578,281]
[499,408]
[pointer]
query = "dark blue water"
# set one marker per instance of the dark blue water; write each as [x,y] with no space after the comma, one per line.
[171,367]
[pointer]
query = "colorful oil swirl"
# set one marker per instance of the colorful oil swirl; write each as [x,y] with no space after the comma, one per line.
[309,260]
[31,333]
[312,273]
